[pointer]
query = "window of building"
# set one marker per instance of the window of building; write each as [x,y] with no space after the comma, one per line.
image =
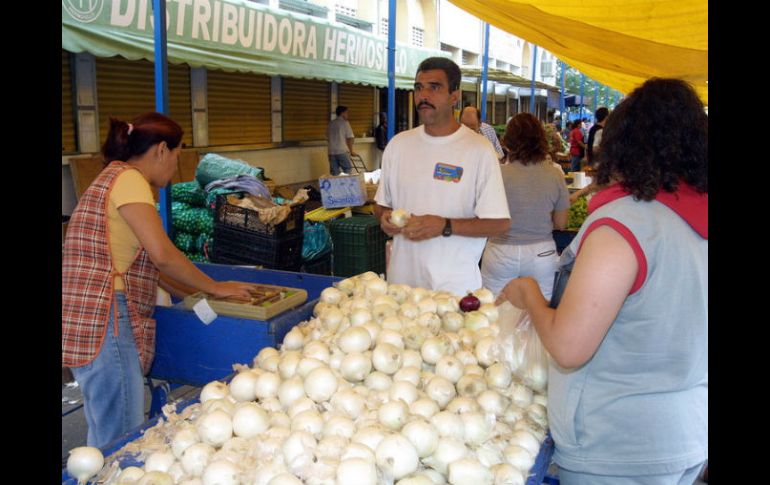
[384,27]
[546,68]
[345,10]
[303,6]
[418,36]
[470,59]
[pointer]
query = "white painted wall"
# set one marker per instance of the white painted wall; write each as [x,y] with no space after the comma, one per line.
[459,28]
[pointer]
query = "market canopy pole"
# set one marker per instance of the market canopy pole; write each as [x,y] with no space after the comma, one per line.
[391,69]
[161,95]
[582,91]
[484,73]
[532,86]
[596,95]
[561,92]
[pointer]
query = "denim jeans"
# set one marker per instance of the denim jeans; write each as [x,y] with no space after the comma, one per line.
[575,161]
[112,384]
[339,163]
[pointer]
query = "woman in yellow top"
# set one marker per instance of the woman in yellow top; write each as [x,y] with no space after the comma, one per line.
[114,254]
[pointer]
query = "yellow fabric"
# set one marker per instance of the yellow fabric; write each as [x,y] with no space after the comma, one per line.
[129,187]
[620,43]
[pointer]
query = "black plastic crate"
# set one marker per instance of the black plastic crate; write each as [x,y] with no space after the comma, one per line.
[359,245]
[248,220]
[235,246]
[320,265]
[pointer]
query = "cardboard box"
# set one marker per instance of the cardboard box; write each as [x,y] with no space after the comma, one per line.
[342,191]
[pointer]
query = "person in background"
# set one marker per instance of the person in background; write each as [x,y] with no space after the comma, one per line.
[471,117]
[340,138]
[381,137]
[440,246]
[538,203]
[595,134]
[628,382]
[576,146]
[114,253]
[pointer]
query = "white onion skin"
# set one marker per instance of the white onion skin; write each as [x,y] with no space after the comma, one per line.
[84,462]
[396,456]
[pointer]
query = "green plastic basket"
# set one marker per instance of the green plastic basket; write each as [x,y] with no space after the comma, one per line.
[359,245]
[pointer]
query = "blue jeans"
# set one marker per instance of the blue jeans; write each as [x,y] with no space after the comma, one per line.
[575,161]
[112,384]
[339,162]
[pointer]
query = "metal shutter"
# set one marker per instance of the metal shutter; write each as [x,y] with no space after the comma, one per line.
[306,106]
[360,102]
[68,139]
[238,108]
[126,89]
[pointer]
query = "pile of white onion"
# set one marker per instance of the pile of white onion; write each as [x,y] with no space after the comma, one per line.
[386,384]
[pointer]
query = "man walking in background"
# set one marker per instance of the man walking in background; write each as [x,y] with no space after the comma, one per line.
[595,134]
[471,117]
[340,137]
[381,138]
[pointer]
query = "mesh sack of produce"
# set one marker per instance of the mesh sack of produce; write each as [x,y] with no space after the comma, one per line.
[316,242]
[193,220]
[204,243]
[188,192]
[184,241]
[196,257]
[215,167]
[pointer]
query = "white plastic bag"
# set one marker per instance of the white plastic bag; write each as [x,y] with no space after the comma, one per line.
[519,346]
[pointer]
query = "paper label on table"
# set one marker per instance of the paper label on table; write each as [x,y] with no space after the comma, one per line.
[204,311]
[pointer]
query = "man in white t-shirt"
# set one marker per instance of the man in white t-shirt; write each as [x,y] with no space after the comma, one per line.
[448,178]
[340,137]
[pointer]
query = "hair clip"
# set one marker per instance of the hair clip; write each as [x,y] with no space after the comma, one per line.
[130,128]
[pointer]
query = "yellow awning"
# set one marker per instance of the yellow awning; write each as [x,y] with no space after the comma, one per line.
[620,43]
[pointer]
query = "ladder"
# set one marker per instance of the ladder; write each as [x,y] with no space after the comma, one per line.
[357,164]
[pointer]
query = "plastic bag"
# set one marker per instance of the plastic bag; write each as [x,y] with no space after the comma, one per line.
[519,346]
[316,242]
[216,167]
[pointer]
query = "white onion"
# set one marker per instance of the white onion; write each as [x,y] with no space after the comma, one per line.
[386,358]
[541,399]
[535,376]
[285,479]
[360,316]
[484,295]
[477,429]
[469,470]
[370,436]
[473,370]
[196,457]
[490,453]
[468,338]
[378,381]
[422,435]
[354,339]
[466,357]
[375,287]
[451,321]
[271,404]
[447,451]
[415,335]
[440,390]
[498,375]
[290,390]
[215,428]
[490,310]
[160,460]
[287,367]
[392,322]
[249,420]
[293,340]
[331,318]
[427,305]
[298,449]
[409,310]
[450,368]
[331,295]
[129,475]
[445,305]
[355,367]
[505,474]
[382,311]
[320,307]
[346,286]
[461,404]
[448,424]
[356,471]
[412,358]
[398,292]
[320,384]
[526,440]
[214,390]
[316,350]
[483,351]
[492,402]
[266,385]
[222,404]
[339,426]
[424,407]
[349,403]
[471,385]
[409,374]
[306,365]
[434,348]
[393,414]
[279,420]
[84,462]
[242,386]
[183,439]
[302,404]
[396,456]
[399,217]
[391,337]
[271,363]
[518,457]
[263,355]
[310,421]
[358,450]
[156,478]
[521,396]
[403,391]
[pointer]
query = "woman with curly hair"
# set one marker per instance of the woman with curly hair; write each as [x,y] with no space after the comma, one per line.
[628,381]
[538,202]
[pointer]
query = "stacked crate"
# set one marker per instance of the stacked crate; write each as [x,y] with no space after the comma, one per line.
[359,245]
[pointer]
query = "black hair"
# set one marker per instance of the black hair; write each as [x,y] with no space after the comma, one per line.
[601,114]
[447,65]
[656,138]
[340,109]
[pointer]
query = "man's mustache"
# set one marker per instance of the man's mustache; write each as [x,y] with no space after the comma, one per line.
[425,103]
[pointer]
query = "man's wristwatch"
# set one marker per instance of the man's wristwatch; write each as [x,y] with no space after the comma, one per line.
[447,228]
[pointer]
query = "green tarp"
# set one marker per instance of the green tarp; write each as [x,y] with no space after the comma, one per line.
[238,35]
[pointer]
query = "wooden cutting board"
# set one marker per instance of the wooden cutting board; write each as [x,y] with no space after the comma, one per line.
[266,302]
